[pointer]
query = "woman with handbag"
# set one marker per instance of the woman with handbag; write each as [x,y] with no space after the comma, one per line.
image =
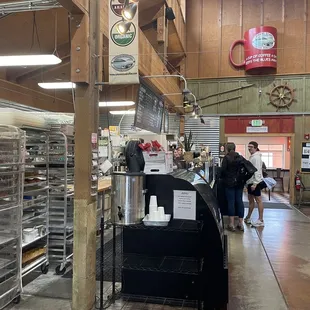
[233,186]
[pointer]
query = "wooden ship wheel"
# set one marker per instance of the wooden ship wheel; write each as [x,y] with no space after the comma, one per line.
[281,96]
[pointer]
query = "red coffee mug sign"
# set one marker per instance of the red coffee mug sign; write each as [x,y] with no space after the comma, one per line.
[260,48]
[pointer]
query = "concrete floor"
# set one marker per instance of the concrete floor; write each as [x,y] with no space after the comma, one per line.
[269,270]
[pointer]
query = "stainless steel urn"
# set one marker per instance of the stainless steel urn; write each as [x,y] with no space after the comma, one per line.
[128,197]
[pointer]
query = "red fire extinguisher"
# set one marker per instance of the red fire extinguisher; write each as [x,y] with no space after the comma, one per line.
[297,181]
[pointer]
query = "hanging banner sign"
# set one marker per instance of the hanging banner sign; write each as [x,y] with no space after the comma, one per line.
[123,43]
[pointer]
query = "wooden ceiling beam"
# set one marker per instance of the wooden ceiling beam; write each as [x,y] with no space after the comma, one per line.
[150,15]
[43,71]
[23,95]
[80,51]
[75,6]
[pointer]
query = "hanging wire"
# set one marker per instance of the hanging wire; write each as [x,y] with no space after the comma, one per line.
[35,33]
[33,30]
[55,36]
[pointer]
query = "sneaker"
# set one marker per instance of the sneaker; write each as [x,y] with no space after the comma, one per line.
[231,228]
[240,227]
[258,223]
[248,220]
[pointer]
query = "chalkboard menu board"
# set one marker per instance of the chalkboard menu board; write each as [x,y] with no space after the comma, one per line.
[166,121]
[305,157]
[149,110]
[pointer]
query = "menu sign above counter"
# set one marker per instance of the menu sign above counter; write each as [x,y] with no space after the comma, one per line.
[149,110]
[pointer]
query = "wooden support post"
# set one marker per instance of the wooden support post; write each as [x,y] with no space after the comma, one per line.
[162,35]
[182,125]
[86,123]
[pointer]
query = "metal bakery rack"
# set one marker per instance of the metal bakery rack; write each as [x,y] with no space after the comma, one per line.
[61,174]
[12,149]
[35,221]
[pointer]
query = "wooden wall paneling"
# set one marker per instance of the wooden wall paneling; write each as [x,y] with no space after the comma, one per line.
[249,103]
[252,101]
[293,41]
[206,90]
[299,134]
[151,64]
[193,30]
[298,84]
[104,18]
[251,14]
[307,69]
[194,88]
[178,21]
[267,84]
[291,18]
[231,31]
[273,16]
[230,106]
[210,39]
[223,138]
[306,104]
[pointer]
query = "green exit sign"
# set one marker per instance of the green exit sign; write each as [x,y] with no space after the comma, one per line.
[257,123]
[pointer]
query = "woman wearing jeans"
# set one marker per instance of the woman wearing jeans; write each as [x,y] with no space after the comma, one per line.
[233,186]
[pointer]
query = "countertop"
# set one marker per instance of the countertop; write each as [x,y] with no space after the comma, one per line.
[104,184]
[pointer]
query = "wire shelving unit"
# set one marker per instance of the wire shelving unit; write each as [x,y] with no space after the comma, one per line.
[12,151]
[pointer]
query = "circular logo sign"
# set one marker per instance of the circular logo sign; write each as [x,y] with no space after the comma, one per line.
[117,6]
[264,41]
[123,63]
[123,39]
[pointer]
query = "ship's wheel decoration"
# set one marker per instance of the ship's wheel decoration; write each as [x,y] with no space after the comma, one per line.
[281,96]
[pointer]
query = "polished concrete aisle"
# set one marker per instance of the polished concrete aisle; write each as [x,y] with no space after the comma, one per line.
[269,270]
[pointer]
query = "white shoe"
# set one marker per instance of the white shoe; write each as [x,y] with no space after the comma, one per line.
[258,223]
[248,220]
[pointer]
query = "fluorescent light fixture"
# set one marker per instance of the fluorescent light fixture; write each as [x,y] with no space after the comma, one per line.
[128,112]
[57,85]
[116,103]
[29,60]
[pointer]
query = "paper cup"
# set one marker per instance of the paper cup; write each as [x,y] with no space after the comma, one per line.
[152,209]
[154,216]
[153,201]
[161,211]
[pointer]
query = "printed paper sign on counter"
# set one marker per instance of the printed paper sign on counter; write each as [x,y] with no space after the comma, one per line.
[184,205]
[123,48]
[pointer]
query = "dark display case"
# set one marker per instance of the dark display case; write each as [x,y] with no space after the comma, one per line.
[187,260]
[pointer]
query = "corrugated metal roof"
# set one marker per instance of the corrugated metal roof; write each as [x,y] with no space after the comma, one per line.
[207,134]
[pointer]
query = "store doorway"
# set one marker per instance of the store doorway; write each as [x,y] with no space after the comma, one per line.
[276,154]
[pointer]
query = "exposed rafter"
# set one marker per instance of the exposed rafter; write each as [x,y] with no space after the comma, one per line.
[20,75]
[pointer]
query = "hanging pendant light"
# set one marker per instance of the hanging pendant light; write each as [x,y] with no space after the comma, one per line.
[123,27]
[129,10]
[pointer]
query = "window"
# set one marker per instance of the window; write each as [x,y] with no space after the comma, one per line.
[273,155]
[267,158]
[240,148]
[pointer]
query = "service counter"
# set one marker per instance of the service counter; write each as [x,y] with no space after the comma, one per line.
[104,200]
[188,259]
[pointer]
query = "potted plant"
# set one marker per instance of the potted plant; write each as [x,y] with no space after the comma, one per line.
[188,144]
